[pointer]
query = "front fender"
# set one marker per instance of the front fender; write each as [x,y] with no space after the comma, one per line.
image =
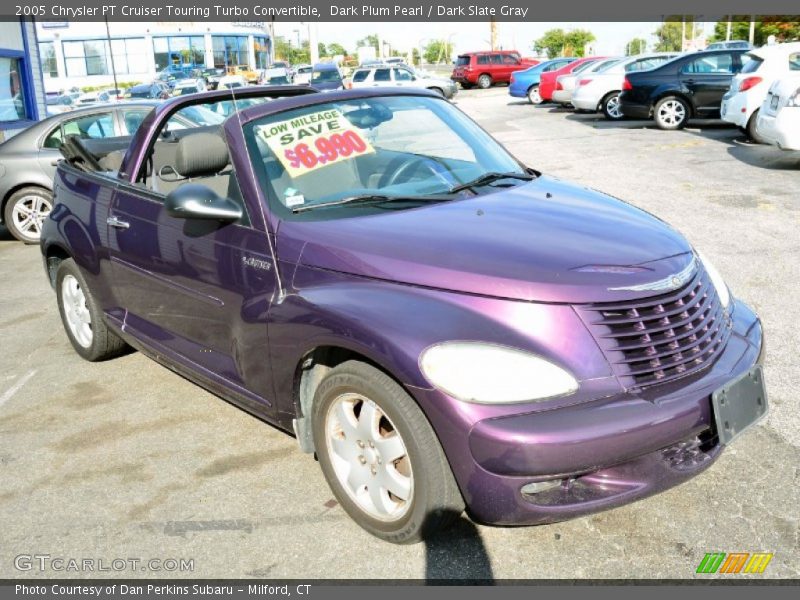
[391,325]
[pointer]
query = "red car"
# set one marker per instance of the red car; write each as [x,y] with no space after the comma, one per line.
[484,69]
[547,82]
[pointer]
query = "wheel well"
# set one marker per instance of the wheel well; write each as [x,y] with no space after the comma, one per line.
[54,256]
[603,99]
[309,373]
[489,75]
[17,188]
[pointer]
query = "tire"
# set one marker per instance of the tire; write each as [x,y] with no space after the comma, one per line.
[533,95]
[403,450]
[82,317]
[751,129]
[671,113]
[485,81]
[611,108]
[25,212]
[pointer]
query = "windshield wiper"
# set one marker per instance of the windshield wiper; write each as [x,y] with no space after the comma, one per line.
[364,198]
[489,177]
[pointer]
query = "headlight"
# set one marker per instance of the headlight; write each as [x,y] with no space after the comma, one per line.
[719,283]
[478,372]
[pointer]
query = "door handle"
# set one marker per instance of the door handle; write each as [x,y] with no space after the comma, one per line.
[115,222]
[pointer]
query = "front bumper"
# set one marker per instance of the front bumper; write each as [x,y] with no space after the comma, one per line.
[606,452]
[781,129]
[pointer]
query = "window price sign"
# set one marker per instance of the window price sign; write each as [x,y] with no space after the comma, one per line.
[305,144]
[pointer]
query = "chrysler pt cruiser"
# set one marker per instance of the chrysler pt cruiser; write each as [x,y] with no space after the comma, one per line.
[442,326]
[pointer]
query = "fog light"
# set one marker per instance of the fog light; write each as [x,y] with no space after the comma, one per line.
[537,487]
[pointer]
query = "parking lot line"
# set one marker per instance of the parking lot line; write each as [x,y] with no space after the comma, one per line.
[9,393]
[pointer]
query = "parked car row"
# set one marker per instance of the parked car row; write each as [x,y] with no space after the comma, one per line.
[755,89]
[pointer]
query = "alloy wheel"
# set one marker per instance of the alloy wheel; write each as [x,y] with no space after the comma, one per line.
[613,107]
[369,457]
[28,215]
[533,95]
[672,113]
[76,311]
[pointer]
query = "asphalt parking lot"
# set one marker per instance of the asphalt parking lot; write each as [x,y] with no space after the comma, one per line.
[124,459]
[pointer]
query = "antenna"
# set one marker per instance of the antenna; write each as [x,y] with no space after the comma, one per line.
[270,243]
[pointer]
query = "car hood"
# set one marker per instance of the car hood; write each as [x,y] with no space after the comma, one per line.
[541,241]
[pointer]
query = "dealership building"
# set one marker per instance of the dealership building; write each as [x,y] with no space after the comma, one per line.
[21,89]
[92,54]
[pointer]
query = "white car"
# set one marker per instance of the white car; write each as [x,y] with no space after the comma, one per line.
[599,92]
[778,120]
[740,105]
[565,84]
[302,74]
[401,76]
[189,86]
[231,81]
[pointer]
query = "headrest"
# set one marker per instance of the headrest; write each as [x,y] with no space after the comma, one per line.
[200,154]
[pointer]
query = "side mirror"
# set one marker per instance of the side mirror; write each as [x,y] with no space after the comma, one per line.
[196,201]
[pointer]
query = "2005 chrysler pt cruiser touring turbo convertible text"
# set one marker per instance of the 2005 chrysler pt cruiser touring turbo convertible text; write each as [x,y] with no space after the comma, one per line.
[441,325]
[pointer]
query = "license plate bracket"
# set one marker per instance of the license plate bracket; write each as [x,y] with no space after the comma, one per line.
[739,404]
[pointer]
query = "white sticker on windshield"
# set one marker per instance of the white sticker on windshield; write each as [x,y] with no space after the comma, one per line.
[295,200]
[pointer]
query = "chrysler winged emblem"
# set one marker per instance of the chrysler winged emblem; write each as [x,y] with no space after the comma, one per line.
[668,283]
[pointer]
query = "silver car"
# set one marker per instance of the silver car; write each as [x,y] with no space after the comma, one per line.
[565,84]
[28,160]
[401,76]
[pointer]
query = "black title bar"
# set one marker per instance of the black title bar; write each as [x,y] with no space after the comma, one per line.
[385,10]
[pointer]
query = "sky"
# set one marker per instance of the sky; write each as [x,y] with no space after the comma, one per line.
[611,37]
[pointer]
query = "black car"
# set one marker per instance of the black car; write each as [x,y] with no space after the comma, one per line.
[691,85]
[158,90]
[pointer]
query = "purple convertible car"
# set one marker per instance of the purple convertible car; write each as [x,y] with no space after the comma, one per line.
[443,327]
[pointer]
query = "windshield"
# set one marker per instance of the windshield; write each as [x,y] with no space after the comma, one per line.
[326,75]
[395,146]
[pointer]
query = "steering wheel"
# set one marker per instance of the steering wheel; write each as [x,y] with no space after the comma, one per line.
[415,163]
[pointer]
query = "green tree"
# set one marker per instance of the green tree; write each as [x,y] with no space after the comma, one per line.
[437,51]
[785,28]
[336,50]
[370,40]
[670,32]
[557,42]
[635,46]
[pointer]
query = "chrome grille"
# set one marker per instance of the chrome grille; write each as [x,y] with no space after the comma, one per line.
[661,338]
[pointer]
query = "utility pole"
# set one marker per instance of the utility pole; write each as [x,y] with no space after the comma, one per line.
[752,28]
[493,33]
[728,30]
[111,54]
[683,33]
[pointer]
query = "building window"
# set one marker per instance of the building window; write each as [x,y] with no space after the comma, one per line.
[261,48]
[130,56]
[47,55]
[91,57]
[182,51]
[12,94]
[230,50]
